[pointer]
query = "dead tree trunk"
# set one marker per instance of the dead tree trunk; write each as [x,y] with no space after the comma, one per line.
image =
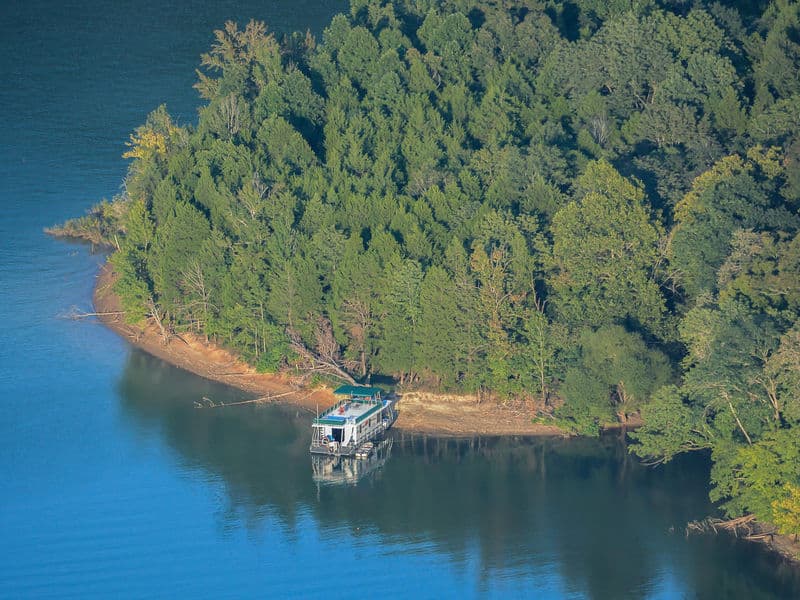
[323,361]
[155,314]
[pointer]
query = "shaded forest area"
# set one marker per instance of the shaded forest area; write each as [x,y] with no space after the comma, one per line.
[590,205]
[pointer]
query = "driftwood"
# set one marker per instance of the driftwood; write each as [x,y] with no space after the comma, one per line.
[208,403]
[74,313]
[745,527]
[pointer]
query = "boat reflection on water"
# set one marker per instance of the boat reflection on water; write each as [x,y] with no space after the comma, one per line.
[349,470]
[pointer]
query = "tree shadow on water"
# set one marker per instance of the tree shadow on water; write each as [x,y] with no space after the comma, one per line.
[610,527]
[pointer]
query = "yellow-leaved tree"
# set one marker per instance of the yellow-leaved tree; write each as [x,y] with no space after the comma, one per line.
[155,137]
[786,511]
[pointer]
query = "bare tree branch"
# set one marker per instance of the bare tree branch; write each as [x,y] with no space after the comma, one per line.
[326,358]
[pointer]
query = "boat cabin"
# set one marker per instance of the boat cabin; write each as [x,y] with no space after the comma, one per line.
[360,416]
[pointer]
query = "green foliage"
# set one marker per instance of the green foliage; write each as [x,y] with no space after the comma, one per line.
[175,245]
[672,425]
[614,376]
[750,478]
[605,248]
[778,53]
[131,286]
[735,193]
[276,350]
[102,225]
[782,370]
[486,198]
[738,395]
[134,285]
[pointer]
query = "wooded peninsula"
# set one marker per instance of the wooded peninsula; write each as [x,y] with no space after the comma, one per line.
[590,207]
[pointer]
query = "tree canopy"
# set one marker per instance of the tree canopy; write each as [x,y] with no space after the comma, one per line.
[591,206]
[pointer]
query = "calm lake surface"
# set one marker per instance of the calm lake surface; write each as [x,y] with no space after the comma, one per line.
[115,485]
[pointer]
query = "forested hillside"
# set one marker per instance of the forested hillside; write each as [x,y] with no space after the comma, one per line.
[591,205]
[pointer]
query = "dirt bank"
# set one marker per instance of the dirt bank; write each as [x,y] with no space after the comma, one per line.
[420,412]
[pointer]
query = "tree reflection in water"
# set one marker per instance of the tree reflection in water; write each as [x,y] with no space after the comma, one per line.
[612,527]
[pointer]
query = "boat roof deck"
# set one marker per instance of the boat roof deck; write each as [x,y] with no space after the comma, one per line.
[358,391]
[357,411]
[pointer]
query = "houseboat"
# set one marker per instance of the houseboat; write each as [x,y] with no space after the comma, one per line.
[348,427]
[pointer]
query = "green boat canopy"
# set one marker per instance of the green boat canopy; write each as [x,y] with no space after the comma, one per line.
[357,391]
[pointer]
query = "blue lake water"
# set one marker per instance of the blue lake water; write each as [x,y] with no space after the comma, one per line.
[115,485]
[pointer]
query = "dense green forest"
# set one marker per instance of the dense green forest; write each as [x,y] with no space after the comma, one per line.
[589,205]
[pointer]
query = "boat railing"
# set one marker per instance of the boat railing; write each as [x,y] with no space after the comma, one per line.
[335,407]
[334,447]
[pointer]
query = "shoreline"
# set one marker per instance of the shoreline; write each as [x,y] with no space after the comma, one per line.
[419,412]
